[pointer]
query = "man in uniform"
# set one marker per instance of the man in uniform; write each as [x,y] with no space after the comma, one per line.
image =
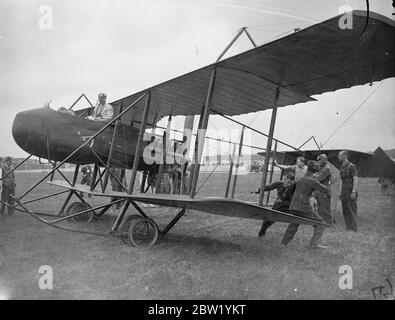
[285,191]
[8,187]
[103,111]
[323,198]
[349,193]
[301,206]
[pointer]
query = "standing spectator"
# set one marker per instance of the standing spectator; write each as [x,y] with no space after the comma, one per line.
[349,193]
[174,173]
[299,169]
[86,178]
[8,187]
[1,173]
[385,186]
[324,176]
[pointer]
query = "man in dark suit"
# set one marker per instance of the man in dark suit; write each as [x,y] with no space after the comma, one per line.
[285,191]
[8,187]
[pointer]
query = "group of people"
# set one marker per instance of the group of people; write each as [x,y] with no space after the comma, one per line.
[309,180]
[7,186]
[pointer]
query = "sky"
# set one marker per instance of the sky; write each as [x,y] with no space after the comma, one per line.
[121,47]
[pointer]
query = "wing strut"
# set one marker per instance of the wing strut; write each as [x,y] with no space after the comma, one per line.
[140,141]
[230,170]
[237,163]
[271,171]
[202,131]
[269,147]
[238,34]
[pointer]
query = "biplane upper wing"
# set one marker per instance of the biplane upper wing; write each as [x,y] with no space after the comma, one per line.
[214,205]
[312,61]
[369,165]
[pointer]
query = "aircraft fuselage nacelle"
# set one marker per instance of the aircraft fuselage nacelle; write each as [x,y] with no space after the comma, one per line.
[53,135]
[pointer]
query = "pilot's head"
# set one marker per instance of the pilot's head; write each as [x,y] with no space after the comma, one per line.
[8,161]
[102,98]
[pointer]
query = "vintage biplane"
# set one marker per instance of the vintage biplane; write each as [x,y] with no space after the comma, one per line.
[321,58]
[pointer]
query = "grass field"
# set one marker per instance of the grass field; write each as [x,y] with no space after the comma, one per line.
[203,257]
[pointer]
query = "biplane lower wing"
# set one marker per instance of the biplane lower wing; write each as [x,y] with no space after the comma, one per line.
[213,205]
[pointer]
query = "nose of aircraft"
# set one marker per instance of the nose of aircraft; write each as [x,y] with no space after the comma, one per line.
[28,131]
[48,134]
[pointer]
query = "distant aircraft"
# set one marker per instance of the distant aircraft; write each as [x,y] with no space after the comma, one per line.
[286,71]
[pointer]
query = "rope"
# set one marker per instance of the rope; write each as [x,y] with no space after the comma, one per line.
[307,125]
[352,113]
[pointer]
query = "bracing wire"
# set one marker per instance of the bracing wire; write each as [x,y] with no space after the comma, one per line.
[352,113]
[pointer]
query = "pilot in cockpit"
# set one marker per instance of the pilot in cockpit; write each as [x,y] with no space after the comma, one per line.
[103,111]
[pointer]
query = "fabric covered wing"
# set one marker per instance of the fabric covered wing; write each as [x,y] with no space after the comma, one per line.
[312,61]
[324,58]
[217,206]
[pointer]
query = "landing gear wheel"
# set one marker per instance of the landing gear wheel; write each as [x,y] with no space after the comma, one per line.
[79,207]
[139,231]
[127,223]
